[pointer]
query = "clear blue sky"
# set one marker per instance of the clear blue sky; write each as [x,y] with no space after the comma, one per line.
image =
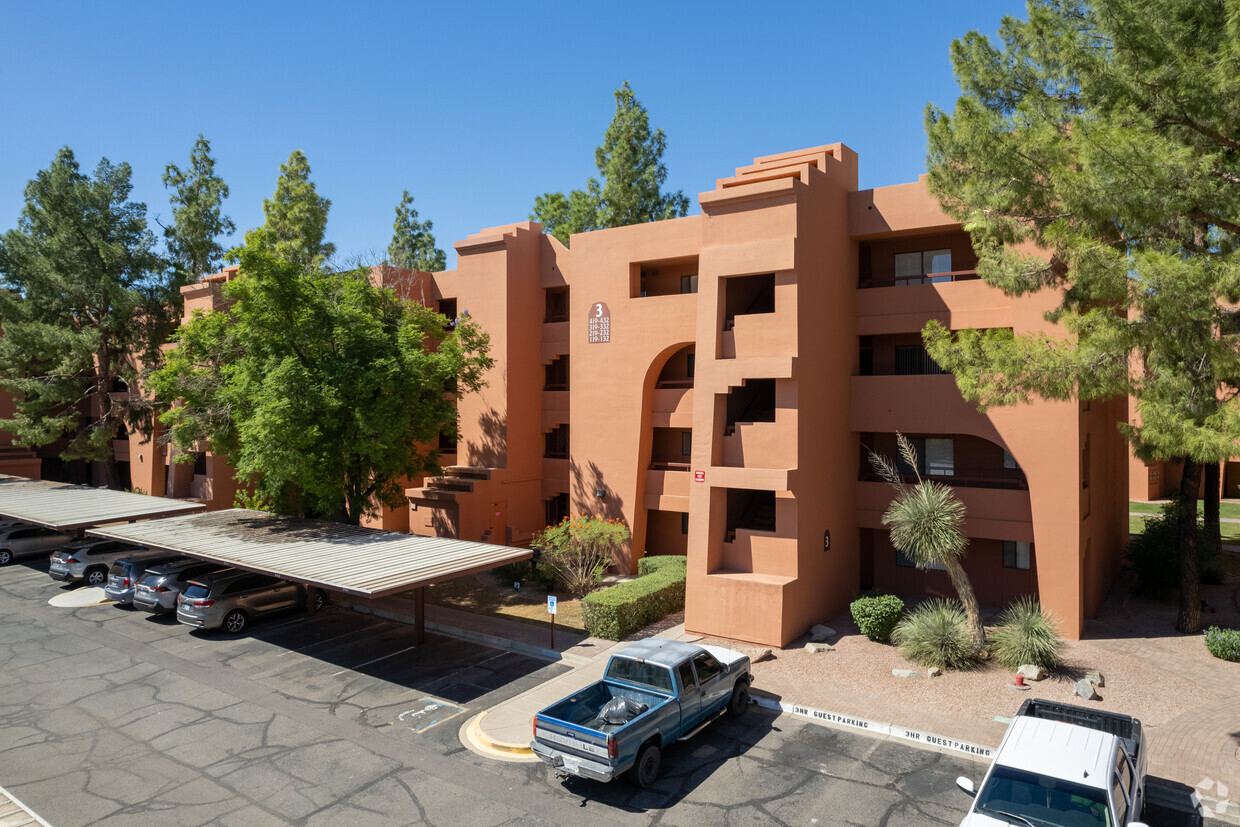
[475,108]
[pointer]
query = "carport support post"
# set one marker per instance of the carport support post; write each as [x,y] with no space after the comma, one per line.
[419,615]
[312,607]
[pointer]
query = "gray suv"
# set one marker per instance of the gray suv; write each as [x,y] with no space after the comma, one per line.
[89,560]
[230,599]
[159,587]
[20,540]
[124,575]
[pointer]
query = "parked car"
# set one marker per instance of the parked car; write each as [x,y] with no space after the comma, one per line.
[1063,764]
[88,560]
[124,574]
[20,540]
[160,586]
[231,599]
[654,692]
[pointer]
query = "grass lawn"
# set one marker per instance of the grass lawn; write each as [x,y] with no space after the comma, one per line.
[1230,531]
[473,593]
[1226,510]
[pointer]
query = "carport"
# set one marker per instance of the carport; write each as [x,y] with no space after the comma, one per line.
[73,508]
[363,562]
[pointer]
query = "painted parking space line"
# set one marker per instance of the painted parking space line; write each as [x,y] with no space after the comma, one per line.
[328,640]
[427,713]
[376,660]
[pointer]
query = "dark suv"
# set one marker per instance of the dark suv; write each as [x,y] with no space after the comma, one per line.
[159,588]
[230,599]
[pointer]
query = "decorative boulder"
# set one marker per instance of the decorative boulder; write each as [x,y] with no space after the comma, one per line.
[1031,673]
[820,633]
[765,654]
[815,647]
[933,672]
[905,673]
[1095,677]
[1086,690]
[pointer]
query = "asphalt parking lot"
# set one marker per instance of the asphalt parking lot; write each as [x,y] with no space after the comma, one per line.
[112,716]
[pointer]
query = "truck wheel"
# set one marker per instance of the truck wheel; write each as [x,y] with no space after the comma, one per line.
[740,699]
[646,771]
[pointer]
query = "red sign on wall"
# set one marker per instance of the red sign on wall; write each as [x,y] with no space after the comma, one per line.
[699,476]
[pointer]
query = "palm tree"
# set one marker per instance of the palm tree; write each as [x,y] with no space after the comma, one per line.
[926,522]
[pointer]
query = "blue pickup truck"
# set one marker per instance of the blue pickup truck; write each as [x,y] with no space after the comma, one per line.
[654,692]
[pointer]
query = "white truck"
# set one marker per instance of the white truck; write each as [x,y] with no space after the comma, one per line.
[1063,766]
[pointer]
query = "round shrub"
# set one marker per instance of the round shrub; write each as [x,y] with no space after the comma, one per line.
[1026,634]
[936,633]
[877,615]
[1223,643]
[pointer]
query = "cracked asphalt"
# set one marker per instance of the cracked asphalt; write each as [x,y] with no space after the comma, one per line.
[111,716]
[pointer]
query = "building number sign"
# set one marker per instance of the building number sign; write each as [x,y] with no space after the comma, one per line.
[599,325]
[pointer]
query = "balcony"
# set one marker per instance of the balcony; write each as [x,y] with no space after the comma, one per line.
[554,340]
[961,301]
[915,404]
[997,513]
[667,488]
[672,408]
[760,552]
[762,444]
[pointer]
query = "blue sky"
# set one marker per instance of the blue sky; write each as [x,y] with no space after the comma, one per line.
[475,108]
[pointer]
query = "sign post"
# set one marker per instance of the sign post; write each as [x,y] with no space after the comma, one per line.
[551,607]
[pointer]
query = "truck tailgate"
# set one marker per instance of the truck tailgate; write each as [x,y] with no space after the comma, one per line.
[570,739]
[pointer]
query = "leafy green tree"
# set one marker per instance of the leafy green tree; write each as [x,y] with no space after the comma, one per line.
[296,216]
[322,390]
[927,524]
[630,162]
[198,219]
[83,302]
[1095,153]
[579,550]
[413,243]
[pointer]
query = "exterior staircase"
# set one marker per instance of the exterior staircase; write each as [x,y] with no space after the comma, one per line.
[457,479]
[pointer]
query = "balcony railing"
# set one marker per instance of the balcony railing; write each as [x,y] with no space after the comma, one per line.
[1009,478]
[933,278]
[667,384]
[661,465]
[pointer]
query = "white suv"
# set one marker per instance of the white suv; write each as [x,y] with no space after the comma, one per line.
[23,540]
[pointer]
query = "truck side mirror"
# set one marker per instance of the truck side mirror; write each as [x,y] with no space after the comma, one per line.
[966,784]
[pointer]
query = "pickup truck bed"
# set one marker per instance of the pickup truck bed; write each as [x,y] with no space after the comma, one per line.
[584,708]
[1124,727]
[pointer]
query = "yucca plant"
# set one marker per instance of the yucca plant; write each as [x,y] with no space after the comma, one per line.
[936,633]
[1026,634]
[927,524]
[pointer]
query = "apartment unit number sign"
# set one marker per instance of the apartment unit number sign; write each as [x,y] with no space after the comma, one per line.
[599,325]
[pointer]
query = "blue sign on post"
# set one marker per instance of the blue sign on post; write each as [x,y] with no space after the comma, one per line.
[550,604]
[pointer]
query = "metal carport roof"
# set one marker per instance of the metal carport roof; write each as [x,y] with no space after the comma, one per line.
[69,507]
[351,559]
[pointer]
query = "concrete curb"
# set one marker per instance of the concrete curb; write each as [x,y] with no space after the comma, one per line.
[12,812]
[476,740]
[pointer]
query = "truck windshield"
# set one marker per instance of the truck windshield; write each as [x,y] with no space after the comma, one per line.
[1040,800]
[640,672]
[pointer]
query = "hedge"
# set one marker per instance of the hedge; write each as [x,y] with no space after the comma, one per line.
[1223,643]
[877,615]
[617,611]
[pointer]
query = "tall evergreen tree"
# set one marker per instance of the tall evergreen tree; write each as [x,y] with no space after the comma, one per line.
[630,161]
[296,216]
[1106,133]
[83,301]
[198,219]
[413,243]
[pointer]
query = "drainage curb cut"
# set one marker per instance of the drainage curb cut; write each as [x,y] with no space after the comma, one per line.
[472,736]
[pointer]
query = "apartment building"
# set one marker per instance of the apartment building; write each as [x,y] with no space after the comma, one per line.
[714,381]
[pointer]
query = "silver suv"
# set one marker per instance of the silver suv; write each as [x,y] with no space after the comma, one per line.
[124,575]
[160,586]
[88,560]
[20,540]
[230,599]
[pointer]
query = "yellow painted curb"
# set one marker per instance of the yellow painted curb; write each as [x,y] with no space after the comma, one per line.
[471,736]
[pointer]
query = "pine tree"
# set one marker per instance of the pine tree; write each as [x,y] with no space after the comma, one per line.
[413,243]
[84,301]
[197,215]
[630,161]
[1104,134]
[296,215]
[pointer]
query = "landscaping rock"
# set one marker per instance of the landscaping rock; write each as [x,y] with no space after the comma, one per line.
[820,633]
[814,647]
[765,654]
[1031,673]
[905,673]
[933,672]
[1095,677]
[1086,690]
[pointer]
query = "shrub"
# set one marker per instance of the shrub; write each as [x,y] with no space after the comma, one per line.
[579,550]
[1026,634]
[1223,643]
[1154,555]
[877,615]
[936,633]
[518,572]
[617,611]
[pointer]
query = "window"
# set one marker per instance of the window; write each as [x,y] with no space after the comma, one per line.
[1009,461]
[557,443]
[913,360]
[690,364]
[688,284]
[557,305]
[687,681]
[686,443]
[707,667]
[923,267]
[935,457]
[1121,799]
[1017,554]
[684,522]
